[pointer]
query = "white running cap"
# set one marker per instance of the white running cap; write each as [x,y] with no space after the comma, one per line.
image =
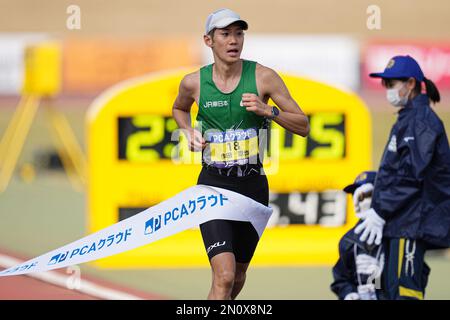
[223,18]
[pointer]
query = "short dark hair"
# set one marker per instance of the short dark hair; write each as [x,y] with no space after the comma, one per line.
[211,33]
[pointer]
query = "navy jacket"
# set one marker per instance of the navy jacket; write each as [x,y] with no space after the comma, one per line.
[412,187]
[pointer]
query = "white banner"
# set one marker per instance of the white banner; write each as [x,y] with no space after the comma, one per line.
[186,210]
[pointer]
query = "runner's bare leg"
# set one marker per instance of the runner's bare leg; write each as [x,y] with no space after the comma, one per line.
[239,278]
[223,272]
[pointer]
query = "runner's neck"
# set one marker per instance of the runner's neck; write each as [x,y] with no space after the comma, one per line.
[226,72]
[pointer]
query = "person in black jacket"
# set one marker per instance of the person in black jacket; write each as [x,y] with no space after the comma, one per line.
[411,196]
[359,264]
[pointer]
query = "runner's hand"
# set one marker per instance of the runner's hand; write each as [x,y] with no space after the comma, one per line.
[195,140]
[254,104]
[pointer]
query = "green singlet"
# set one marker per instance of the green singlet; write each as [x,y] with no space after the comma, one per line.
[232,132]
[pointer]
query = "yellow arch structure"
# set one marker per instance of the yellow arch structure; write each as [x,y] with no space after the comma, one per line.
[339,149]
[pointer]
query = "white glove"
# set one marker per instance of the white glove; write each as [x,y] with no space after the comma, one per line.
[369,265]
[352,296]
[371,227]
[367,292]
[362,192]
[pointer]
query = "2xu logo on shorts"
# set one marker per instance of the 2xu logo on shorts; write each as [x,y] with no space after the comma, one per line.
[215,245]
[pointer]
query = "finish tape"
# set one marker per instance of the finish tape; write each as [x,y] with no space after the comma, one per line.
[188,209]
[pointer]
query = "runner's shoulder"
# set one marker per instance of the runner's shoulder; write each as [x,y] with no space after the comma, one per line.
[264,73]
[266,79]
[191,82]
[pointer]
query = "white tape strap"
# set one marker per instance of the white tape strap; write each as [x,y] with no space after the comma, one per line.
[186,210]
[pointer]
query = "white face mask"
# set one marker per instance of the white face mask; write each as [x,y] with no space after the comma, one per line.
[393,96]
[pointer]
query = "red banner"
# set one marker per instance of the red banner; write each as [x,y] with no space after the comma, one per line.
[433,58]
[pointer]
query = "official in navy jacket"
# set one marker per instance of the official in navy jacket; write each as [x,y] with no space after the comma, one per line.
[411,196]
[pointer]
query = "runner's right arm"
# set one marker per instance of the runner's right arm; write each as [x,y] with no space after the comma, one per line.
[182,108]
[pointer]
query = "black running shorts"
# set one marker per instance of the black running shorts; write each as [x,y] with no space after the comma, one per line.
[238,237]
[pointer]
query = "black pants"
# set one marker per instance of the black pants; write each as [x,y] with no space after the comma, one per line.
[238,237]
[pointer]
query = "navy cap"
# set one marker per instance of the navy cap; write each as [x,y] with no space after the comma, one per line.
[362,178]
[401,67]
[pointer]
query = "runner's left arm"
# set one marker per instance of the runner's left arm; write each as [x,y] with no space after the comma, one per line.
[291,117]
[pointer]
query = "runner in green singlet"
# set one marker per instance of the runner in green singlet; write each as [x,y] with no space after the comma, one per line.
[232,96]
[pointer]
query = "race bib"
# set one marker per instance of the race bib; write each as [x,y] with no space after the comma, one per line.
[231,148]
